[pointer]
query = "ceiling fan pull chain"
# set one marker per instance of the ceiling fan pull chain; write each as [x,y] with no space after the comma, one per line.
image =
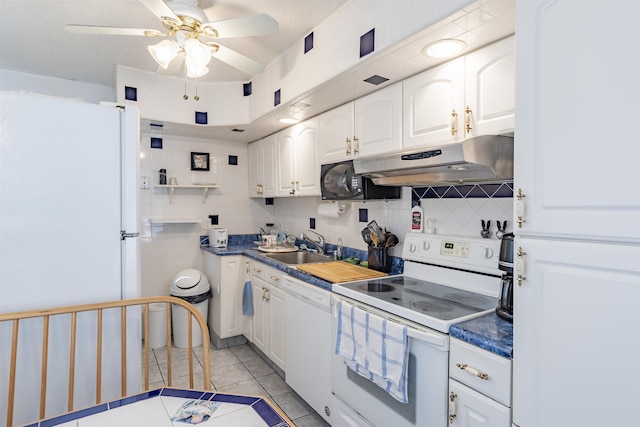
[185,96]
[197,98]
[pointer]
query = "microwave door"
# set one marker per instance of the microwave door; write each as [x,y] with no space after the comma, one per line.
[335,183]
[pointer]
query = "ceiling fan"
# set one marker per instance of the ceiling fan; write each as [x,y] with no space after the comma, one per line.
[190,37]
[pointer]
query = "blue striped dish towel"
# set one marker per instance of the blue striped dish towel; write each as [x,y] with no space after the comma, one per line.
[247,299]
[376,348]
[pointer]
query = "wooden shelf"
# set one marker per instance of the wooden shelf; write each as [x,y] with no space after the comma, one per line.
[204,187]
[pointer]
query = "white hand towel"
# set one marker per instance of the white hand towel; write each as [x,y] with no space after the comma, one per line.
[375,348]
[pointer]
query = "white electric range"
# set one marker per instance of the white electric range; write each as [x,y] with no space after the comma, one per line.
[446,280]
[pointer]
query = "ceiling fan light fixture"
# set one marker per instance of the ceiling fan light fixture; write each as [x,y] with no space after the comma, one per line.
[193,73]
[444,48]
[197,54]
[164,52]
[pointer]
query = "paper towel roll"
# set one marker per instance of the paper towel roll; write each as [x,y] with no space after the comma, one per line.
[331,210]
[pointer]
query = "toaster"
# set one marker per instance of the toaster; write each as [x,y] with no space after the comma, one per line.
[218,237]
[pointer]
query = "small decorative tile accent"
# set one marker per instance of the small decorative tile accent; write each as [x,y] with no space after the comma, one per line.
[214,219]
[308,43]
[376,79]
[367,42]
[131,93]
[268,201]
[233,160]
[276,98]
[363,215]
[201,118]
[312,223]
[156,143]
[246,89]
[486,191]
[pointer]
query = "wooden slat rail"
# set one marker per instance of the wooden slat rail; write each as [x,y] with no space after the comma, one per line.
[46,314]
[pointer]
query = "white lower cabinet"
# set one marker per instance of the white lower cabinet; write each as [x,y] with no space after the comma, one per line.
[226,276]
[268,312]
[479,387]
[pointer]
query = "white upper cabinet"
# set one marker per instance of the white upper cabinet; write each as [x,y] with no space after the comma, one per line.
[490,89]
[577,149]
[468,96]
[335,130]
[298,172]
[262,167]
[378,122]
[433,105]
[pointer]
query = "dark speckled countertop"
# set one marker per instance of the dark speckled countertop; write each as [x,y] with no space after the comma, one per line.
[488,332]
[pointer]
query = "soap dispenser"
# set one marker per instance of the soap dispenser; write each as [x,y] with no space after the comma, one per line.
[339,248]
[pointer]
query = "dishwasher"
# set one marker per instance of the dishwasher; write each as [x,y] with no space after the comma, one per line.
[308,348]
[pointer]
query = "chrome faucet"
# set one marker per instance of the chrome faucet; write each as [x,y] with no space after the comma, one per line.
[319,244]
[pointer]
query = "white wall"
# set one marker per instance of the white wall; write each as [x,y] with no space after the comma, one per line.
[88,92]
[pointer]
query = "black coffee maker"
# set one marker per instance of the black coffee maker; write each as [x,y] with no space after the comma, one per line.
[504,309]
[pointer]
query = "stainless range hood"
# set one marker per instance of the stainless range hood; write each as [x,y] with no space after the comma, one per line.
[482,159]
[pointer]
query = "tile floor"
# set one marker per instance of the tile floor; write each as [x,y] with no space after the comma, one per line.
[238,370]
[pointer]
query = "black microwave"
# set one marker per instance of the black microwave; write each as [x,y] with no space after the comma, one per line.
[338,181]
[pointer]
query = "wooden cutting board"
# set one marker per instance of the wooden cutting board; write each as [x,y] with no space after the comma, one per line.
[340,271]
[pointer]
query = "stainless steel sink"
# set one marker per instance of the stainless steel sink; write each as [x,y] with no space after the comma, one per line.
[300,257]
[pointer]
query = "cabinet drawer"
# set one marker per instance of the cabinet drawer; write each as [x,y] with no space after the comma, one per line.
[497,384]
[269,274]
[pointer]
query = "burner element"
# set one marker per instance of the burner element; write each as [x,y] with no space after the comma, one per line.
[431,306]
[376,287]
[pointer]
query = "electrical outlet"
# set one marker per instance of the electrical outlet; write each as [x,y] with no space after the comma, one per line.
[144,182]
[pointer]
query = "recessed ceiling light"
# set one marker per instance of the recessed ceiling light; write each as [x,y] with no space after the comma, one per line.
[444,48]
[288,120]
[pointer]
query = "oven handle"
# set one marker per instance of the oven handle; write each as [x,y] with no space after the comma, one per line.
[433,339]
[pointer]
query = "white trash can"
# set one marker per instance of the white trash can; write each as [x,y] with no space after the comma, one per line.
[192,286]
[157,325]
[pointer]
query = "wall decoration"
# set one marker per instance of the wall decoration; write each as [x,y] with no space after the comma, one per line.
[199,161]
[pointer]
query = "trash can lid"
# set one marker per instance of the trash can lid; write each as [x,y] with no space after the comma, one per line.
[189,282]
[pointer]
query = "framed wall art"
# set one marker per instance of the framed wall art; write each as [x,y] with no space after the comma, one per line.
[199,161]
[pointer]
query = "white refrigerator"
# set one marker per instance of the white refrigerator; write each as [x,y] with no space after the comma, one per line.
[68,190]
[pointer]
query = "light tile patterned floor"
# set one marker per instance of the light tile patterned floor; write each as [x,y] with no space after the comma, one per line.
[237,370]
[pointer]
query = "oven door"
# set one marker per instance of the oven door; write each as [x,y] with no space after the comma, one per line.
[428,376]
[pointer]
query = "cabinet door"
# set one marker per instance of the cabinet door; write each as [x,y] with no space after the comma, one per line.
[247,320]
[260,323]
[211,267]
[231,275]
[276,326]
[490,89]
[473,409]
[576,339]
[306,163]
[577,150]
[285,181]
[336,134]
[254,153]
[433,103]
[269,166]
[378,122]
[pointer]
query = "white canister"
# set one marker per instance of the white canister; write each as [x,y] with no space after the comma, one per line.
[218,237]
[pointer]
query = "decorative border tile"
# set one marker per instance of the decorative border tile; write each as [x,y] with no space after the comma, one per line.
[477,191]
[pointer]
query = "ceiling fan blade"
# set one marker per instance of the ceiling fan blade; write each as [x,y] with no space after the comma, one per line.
[174,66]
[239,61]
[252,25]
[159,8]
[93,29]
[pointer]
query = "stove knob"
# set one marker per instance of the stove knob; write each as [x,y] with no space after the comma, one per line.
[412,247]
[426,245]
[488,253]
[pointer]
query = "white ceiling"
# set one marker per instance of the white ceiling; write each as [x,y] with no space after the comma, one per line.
[33,40]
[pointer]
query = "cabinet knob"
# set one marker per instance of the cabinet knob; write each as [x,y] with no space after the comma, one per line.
[454,122]
[472,371]
[452,407]
[355,145]
[467,121]
[348,141]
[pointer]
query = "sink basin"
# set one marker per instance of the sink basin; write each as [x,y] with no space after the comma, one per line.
[300,257]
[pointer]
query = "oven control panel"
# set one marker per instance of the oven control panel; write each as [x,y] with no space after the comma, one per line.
[464,252]
[457,249]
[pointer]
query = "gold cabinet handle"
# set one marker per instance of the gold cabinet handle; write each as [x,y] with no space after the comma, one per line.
[348,142]
[454,122]
[520,208]
[355,146]
[452,407]
[256,270]
[472,371]
[467,120]
[520,265]
[275,278]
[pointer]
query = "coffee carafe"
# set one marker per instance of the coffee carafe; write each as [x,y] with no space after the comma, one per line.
[504,309]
